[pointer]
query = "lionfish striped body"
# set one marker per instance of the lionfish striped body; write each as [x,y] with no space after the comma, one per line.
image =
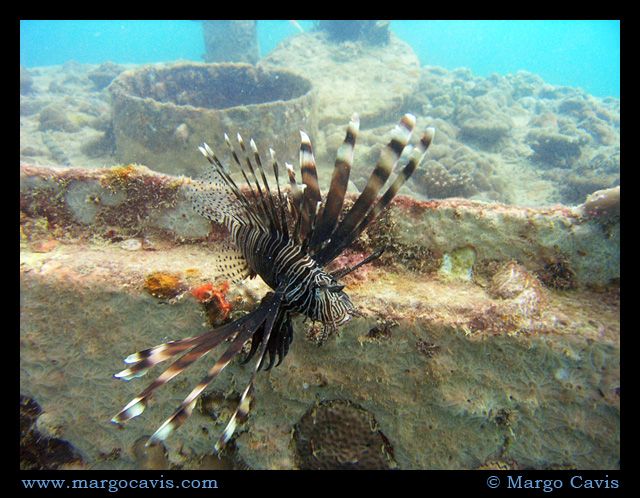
[286,239]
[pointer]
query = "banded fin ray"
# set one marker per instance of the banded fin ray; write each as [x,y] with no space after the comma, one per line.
[249,324]
[243,405]
[388,159]
[144,360]
[414,159]
[261,193]
[311,195]
[338,188]
[276,172]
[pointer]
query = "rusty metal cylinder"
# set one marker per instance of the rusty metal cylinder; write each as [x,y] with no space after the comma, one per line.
[161,114]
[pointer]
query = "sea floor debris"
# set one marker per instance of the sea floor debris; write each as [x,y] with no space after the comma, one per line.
[502,367]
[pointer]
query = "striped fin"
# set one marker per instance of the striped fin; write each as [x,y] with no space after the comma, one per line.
[144,360]
[388,159]
[243,406]
[274,218]
[270,217]
[246,327]
[261,206]
[338,188]
[283,215]
[216,196]
[414,159]
[296,193]
[311,195]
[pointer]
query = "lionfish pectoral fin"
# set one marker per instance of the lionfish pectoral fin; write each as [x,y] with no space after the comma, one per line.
[243,405]
[249,324]
[195,348]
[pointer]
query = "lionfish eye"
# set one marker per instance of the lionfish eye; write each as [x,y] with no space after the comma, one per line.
[335,288]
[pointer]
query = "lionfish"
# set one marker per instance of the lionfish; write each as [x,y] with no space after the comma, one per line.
[286,239]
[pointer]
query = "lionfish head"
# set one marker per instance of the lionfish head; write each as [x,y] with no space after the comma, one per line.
[332,304]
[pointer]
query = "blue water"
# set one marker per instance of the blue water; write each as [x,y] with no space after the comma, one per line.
[583,54]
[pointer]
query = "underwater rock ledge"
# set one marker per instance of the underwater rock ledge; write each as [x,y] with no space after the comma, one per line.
[516,365]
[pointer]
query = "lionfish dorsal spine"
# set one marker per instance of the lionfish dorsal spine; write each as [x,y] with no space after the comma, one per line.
[216,196]
[343,235]
[311,194]
[415,157]
[257,194]
[338,187]
[274,216]
[276,172]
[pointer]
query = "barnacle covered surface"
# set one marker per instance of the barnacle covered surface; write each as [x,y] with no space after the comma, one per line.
[518,363]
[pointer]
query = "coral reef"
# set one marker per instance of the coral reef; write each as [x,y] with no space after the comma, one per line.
[377,80]
[550,144]
[37,451]
[113,204]
[513,363]
[26,81]
[435,181]
[370,30]
[512,139]
[104,74]
[552,149]
[513,283]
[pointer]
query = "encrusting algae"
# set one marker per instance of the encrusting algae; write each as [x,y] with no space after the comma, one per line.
[163,286]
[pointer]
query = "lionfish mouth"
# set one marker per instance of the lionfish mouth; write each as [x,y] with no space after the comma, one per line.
[288,238]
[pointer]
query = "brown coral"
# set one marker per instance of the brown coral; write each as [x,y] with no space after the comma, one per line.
[339,434]
[438,183]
